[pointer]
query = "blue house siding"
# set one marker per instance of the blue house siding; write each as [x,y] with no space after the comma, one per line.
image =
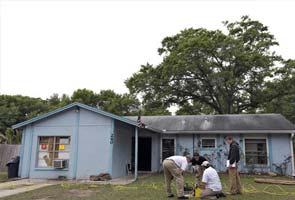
[281,149]
[63,124]
[24,158]
[93,144]
[91,156]
[122,149]
[278,149]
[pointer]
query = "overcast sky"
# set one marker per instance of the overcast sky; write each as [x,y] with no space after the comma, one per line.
[59,46]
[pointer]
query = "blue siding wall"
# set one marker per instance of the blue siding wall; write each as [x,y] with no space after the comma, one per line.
[278,150]
[121,149]
[185,144]
[91,135]
[281,150]
[93,144]
[24,159]
[59,125]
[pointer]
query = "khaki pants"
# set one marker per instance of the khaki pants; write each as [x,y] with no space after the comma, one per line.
[234,181]
[208,193]
[171,170]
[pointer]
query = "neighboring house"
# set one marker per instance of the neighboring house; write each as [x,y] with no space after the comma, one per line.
[265,140]
[77,141]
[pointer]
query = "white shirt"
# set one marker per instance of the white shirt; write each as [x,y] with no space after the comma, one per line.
[180,161]
[211,178]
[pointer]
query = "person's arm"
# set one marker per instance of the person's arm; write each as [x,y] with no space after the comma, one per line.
[204,181]
[234,154]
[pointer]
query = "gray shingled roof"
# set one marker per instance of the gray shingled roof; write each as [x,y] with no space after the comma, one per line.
[243,123]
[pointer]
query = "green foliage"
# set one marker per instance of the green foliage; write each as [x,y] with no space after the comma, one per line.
[108,100]
[210,71]
[15,109]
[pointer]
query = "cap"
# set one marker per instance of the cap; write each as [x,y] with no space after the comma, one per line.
[205,163]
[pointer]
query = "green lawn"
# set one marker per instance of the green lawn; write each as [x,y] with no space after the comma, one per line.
[3,176]
[151,188]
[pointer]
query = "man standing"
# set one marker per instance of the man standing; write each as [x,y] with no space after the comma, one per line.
[232,164]
[174,167]
[210,182]
[197,161]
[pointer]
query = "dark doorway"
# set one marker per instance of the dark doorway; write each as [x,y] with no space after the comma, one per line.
[144,153]
[168,148]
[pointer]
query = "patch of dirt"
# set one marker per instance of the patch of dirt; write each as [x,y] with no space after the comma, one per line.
[81,193]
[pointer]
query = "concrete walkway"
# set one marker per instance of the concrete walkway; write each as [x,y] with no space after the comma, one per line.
[24,185]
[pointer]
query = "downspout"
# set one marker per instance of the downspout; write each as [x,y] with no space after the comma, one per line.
[292,154]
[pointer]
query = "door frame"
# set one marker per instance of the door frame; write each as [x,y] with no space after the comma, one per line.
[161,145]
[133,157]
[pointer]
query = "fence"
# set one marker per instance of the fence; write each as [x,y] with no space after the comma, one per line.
[7,151]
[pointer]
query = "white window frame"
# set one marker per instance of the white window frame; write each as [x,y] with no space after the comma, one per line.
[38,151]
[211,138]
[161,143]
[258,138]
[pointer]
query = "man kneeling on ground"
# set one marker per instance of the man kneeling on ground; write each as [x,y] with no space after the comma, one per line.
[174,167]
[210,182]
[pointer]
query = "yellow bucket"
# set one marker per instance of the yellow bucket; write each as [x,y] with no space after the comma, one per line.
[197,192]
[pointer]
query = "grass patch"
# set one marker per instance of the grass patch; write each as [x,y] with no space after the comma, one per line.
[3,177]
[151,188]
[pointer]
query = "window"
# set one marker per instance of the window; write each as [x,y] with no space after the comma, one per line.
[256,152]
[168,148]
[208,143]
[51,148]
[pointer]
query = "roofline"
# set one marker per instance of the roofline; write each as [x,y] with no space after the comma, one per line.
[229,132]
[201,115]
[72,105]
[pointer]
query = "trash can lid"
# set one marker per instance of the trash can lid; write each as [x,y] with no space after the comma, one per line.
[13,161]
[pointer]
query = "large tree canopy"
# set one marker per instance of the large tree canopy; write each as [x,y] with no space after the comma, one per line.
[214,71]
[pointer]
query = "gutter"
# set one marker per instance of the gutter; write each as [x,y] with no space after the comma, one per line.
[228,132]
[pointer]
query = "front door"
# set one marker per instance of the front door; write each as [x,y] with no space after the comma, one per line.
[144,153]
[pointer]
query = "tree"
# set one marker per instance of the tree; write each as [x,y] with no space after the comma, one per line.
[85,96]
[15,109]
[120,104]
[108,100]
[224,72]
[283,103]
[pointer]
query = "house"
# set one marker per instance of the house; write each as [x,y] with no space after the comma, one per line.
[77,141]
[265,140]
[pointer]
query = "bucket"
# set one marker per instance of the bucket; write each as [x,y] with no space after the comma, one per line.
[197,192]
